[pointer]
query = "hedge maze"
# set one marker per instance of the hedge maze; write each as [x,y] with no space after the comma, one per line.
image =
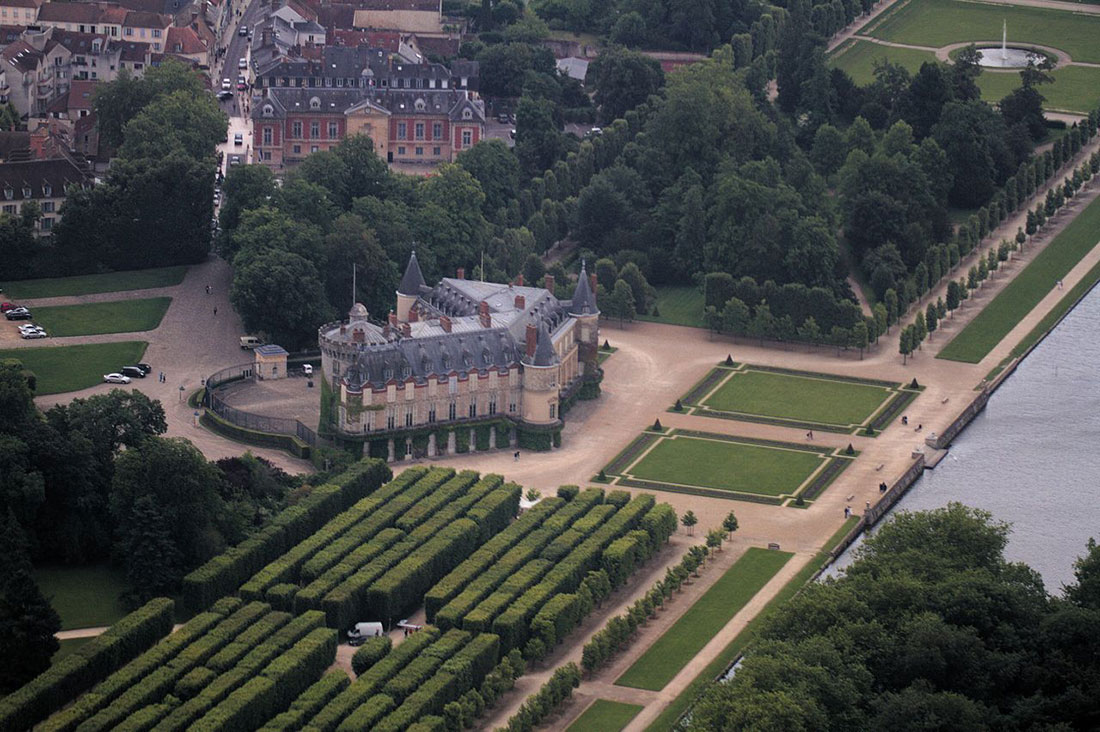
[500,591]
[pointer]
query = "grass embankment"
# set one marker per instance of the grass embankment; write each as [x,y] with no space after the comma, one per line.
[743,639]
[724,465]
[117,316]
[84,596]
[811,399]
[1014,302]
[138,279]
[69,368]
[605,716]
[678,306]
[703,620]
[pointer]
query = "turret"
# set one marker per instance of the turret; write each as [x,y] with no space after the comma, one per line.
[409,289]
[584,309]
[541,371]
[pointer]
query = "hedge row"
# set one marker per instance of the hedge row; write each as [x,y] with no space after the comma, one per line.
[226,572]
[580,502]
[660,523]
[308,703]
[372,651]
[557,617]
[370,683]
[494,512]
[543,702]
[311,596]
[422,668]
[368,714]
[624,554]
[424,509]
[256,633]
[474,567]
[94,662]
[431,723]
[480,619]
[110,688]
[564,542]
[401,588]
[512,624]
[279,682]
[340,603]
[286,568]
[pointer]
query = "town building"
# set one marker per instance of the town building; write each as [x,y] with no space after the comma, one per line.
[41,181]
[19,12]
[461,365]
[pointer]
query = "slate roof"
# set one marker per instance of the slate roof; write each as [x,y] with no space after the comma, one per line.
[544,350]
[584,300]
[22,56]
[35,175]
[413,279]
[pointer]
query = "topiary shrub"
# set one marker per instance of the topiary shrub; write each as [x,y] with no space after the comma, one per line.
[870,431]
[913,384]
[568,492]
[656,312]
[729,359]
[602,477]
[679,406]
[849,450]
[657,426]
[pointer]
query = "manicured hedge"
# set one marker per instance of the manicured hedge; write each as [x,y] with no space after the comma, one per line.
[546,700]
[481,618]
[660,523]
[496,510]
[431,723]
[308,703]
[578,505]
[281,597]
[423,667]
[145,719]
[472,568]
[311,596]
[367,714]
[423,509]
[256,633]
[341,604]
[193,682]
[558,616]
[226,572]
[624,554]
[371,652]
[94,662]
[472,664]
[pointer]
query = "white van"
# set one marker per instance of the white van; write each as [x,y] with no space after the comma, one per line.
[250,342]
[359,634]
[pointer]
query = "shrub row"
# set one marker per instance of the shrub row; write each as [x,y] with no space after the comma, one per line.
[512,624]
[557,617]
[372,651]
[624,554]
[226,572]
[279,682]
[402,587]
[286,568]
[539,705]
[340,603]
[368,714]
[431,723]
[311,596]
[447,492]
[580,502]
[370,683]
[564,542]
[256,633]
[308,703]
[94,662]
[481,618]
[473,567]
[422,668]
[494,512]
[281,597]
[660,523]
[456,509]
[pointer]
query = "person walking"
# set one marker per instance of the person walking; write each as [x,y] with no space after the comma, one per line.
[215,312]
[847,512]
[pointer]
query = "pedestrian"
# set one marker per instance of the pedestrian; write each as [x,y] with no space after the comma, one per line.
[882,487]
[904,420]
[847,511]
[515,456]
[868,505]
[215,312]
[208,289]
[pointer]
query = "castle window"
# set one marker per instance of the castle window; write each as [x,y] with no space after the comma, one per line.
[451,411]
[473,409]
[511,407]
[553,411]
[493,405]
[409,418]
[389,422]
[431,413]
[314,103]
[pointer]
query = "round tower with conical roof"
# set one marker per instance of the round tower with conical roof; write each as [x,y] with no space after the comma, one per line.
[409,289]
[541,376]
[584,309]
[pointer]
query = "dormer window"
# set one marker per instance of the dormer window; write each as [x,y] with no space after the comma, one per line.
[47,190]
[314,103]
[8,192]
[420,105]
[268,110]
[467,114]
[26,191]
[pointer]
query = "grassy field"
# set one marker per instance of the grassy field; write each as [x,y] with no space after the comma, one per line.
[84,596]
[117,316]
[678,306]
[938,23]
[730,466]
[798,397]
[68,368]
[605,716]
[1016,300]
[1075,88]
[858,58]
[138,279]
[710,613]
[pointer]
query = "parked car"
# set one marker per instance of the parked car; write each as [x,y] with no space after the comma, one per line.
[5,307]
[250,342]
[359,634]
[133,372]
[307,369]
[116,379]
[242,63]
[234,159]
[18,313]
[227,85]
[145,367]
[225,94]
[242,83]
[502,118]
[35,333]
[238,139]
[512,134]
[242,31]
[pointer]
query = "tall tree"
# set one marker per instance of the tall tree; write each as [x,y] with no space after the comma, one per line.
[27,621]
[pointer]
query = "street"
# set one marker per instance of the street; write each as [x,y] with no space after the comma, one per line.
[236,107]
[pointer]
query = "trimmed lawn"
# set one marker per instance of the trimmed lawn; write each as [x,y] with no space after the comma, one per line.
[797,397]
[68,368]
[605,716]
[84,596]
[731,466]
[117,316]
[938,23]
[858,58]
[703,620]
[138,279]
[1075,88]
[678,306]
[1015,301]
[69,647]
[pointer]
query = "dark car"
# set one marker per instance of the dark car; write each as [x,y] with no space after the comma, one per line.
[144,367]
[242,31]
[133,372]
[18,314]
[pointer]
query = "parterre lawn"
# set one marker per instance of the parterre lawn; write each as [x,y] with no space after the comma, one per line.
[938,23]
[68,368]
[678,306]
[1015,301]
[731,466]
[84,596]
[858,58]
[116,316]
[138,279]
[798,397]
[710,613]
[605,716]
[1075,88]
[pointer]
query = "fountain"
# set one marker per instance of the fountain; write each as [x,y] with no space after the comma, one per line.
[1007,58]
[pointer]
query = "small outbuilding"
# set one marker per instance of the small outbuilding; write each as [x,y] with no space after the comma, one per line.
[270,361]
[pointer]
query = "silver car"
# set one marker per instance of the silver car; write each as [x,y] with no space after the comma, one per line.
[116,379]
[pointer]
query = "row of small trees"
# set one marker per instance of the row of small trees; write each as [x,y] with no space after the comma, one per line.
[543,702]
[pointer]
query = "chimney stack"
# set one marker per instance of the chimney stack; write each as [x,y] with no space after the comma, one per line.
[445,323]
[549,283]
[461,273]
[393,319]
[519,280]
[483,314]
[406,330]
[592,283]
[413,315]
[532,339]
[521,302]
[358,336]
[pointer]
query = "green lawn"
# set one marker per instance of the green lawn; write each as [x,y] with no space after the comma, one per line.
[938,23]
[703,620]
[858,58]
[116,316]
[787,396]
[1016,300]
[69,647]
[68,368]
[84,596]
[678,306]
[731,466]
[1075,88]
[138,279]
[605,716]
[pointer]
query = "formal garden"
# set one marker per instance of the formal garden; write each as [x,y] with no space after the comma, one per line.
[809,401]
[725,466]
[96,318]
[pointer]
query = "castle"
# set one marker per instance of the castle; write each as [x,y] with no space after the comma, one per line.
[460,366]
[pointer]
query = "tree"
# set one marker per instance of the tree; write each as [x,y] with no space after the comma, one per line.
[714,539]
[905,343]
[891,301]
[860,337]
[279,293]
[953,299]
[643,292]
[620,303]
[931,318]
[538,141]
[495,169]
[154,562]
[245,187]
[920,329]
[689,520]
[27,621]
[729,523]
[623,79]
[180,121]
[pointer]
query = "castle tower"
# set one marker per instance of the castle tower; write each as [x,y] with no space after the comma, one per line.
[541,371]
[584,309]
[409,289]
